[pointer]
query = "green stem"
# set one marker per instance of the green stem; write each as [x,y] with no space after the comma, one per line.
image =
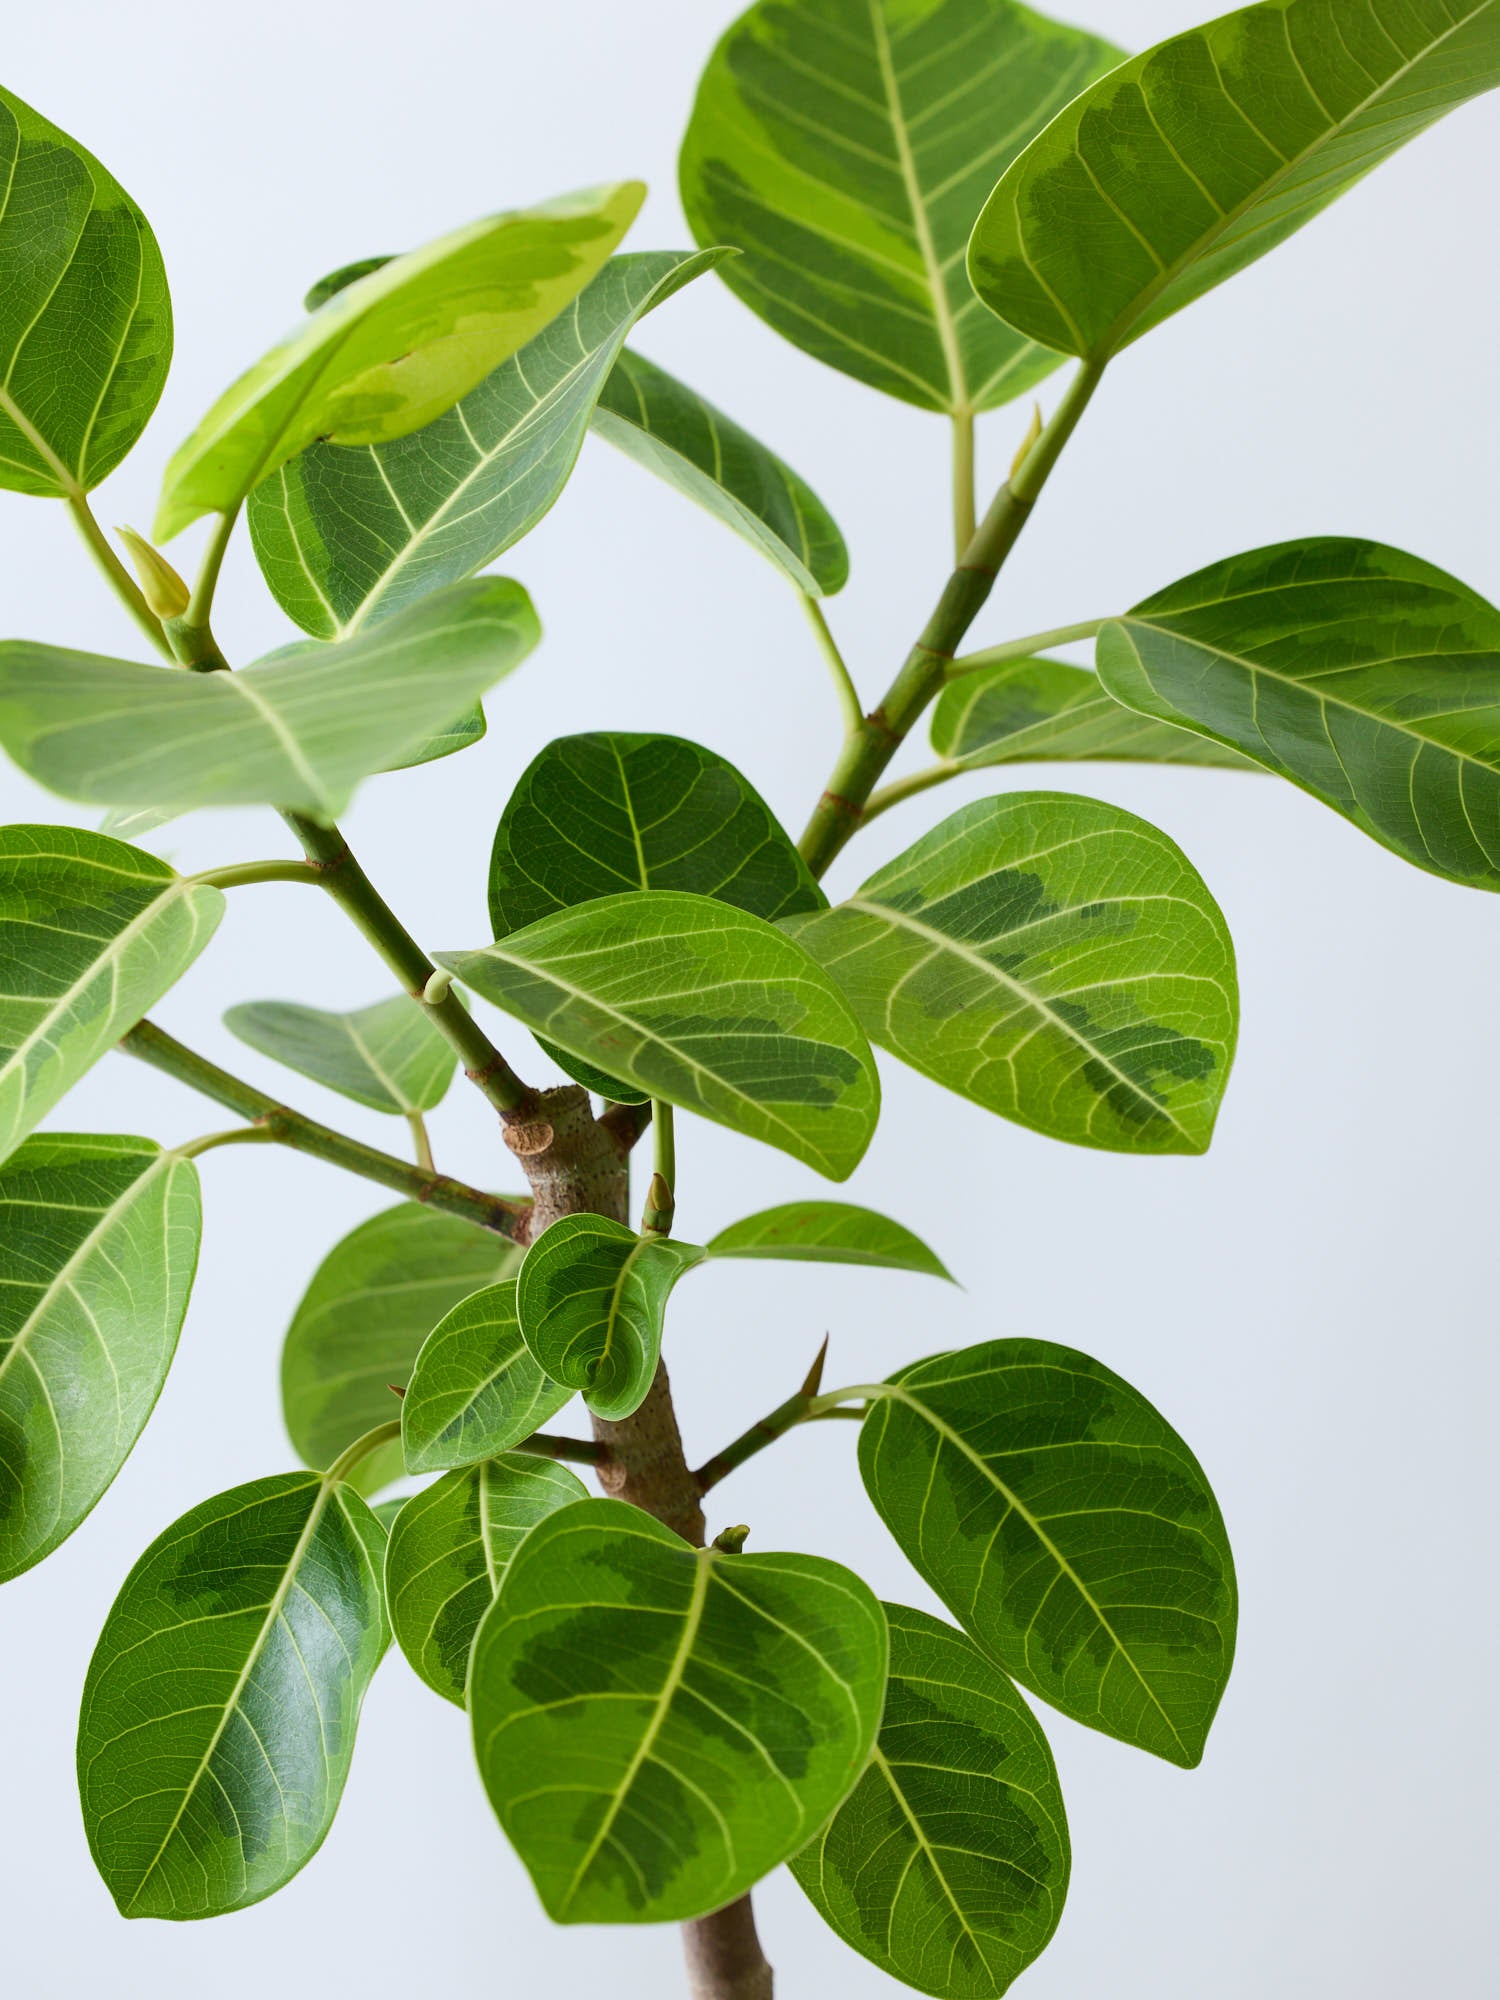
[191,636]
[1023,649]
[242,873]
[870,749]
[345,1463]
[578,1451]
[664,1141]
[351,888]
[908,788]
[421,1144]
[116,575]
[963,482]
[843,681]
[286,1127]
[804,1407]
[236,1135]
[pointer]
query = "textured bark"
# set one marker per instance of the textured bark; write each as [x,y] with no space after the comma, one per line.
[578,1165]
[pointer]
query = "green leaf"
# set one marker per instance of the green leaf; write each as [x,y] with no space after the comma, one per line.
[846,146]
[388,1056]
[1367,677]
[827,1232]
[85,316]
[396,348]
[221,1702]
[1186,164]
[1068,1529]
[657,813]
[700,1004]
[339,280]
[98,1245]
[1041,711]
[363,1319]
[463,734]
[93,933]
[673,431]
[298,729]
[659,1726]
[948,1863]
[449,1550]
[591,1298]
[475,1390]
[347,536]
[1056,960]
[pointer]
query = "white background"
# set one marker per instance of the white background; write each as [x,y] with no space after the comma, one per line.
[1312,1304]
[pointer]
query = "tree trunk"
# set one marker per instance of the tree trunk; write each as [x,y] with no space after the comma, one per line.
[577,1166]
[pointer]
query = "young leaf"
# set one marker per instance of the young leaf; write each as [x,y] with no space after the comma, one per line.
[827,1232]
[701,1004]
[98,1244]
[659,1726]
[85,317]
[388,1056]
[298,729]
[339,280]
[673,431]
[1056,960]
[1041,711]
[396,348]
[659,813]
[1367,677]
[475,1390]
[948,1863]
[591,1297]
[347,536]
[846,146]
[362,1321]
[221,1702]
[92,933]
[1068,1529]
[1186,164]
[449,1549]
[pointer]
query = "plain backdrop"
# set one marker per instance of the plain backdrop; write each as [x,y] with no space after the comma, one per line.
[1312,1304]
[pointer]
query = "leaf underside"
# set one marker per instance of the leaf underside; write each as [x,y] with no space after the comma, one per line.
[388,1056]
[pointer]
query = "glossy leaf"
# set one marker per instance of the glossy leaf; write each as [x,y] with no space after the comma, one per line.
[388,1056]
[221,1702]
[948,1863]
[298,729]
[397,347]
[1186,164]
[659,1726]
[449,1550]
[476,1389]
[598,814]
[698,1003]
[1056,960]
[85,317]
[347,536]
[1068,1529]
[673,431]
[1367,677]
[363,1319]
[1041,711]
[92,933]
[846,146]
[591,1298]
[98,1245]
[827,1232]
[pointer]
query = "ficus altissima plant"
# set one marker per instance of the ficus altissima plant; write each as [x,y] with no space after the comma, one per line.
[947,200]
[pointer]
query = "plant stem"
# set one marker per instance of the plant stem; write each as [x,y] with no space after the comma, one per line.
[420,1141]
[867,753]
[664,1143]
[843,681]
[361,1448]
[1023,649]
[191,635]
[241,873]
[578,1451]
[286,1127]
[236,1135]
[908,788]
[963,482]
[118,577]
[351,888]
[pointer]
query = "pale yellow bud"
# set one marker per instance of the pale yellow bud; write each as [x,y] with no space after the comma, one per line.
[1033,432]
[161,586]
